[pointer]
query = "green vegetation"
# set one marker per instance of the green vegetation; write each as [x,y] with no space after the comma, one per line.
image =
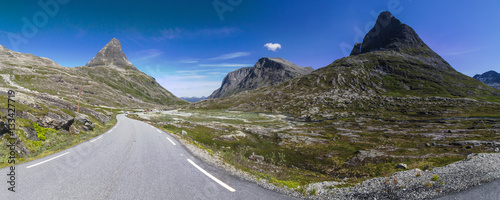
[298,153]
[51,141]
[435,177]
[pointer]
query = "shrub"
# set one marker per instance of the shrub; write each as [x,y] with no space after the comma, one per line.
[435,177]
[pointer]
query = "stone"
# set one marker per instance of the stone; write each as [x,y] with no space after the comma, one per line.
[257,158]
[401,166]
[497,150]
[469,147]
[55,121]
[183,132]
[73,130]
[82,118]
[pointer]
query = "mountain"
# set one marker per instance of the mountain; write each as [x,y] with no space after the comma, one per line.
[194,99]
[266,72]
[111,67]
[111,55]
[392,71]
[490,78]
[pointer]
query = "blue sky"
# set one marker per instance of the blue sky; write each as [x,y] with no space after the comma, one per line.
[189,46]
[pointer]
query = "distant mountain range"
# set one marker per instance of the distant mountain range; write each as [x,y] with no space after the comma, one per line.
[266,72]
[392,70]
[490,78]
[194,99]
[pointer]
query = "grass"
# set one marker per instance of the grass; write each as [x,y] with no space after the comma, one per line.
[298,164]
[51,141]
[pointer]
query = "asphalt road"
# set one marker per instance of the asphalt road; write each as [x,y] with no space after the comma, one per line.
[487,191]
[133,160]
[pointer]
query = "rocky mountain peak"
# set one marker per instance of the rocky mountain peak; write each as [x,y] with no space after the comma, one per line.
[491,78]
[111,55]
[266,72]
[389,33]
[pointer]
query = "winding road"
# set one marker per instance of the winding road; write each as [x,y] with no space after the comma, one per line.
[133,160]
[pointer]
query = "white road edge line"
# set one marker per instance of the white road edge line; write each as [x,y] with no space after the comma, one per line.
[96,139]
[158,131]
[212,177]
[171,141]
[47,160]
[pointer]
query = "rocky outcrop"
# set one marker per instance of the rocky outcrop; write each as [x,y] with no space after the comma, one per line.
[266,72]
[490,78]
[55,121]
[85,121]
[111,55]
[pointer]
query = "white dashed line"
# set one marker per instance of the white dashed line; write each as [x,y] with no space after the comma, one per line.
[96,139]
[158,131]
[212,177]
[47,160]
[171,141]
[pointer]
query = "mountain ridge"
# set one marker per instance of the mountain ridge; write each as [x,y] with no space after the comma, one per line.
[490,78]
[266,72]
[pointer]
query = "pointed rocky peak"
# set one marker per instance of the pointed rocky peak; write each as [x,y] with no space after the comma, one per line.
[389,33]
[111,55]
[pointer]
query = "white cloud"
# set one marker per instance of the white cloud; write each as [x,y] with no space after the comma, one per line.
[225,65]
[272,46]
[230,56]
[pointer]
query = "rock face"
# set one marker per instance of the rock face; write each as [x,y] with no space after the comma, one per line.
[491,78]
[111,55]
[266,72]
[389,34]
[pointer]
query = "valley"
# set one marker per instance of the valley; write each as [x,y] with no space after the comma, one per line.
[344,152]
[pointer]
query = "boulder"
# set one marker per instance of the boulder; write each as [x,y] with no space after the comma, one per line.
[83,119]
[402,166]
[3,128]
[73,130]
[55,121]
[257,158]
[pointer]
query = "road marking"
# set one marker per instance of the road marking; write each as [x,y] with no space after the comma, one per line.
[47,160]
[96,139]
[158,131]
[171,141]
[212,177]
